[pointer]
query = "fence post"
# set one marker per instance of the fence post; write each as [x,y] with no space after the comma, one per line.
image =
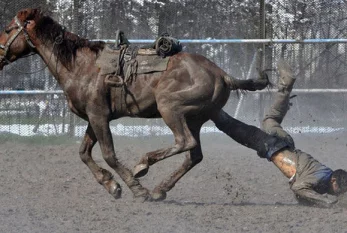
[261,55]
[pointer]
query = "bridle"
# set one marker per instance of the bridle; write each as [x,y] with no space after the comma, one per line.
[5,48]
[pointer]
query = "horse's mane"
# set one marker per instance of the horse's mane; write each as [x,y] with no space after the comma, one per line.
[65,44]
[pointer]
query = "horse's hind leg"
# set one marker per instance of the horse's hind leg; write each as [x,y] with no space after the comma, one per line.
[193,157]
[183,141]
[103,176]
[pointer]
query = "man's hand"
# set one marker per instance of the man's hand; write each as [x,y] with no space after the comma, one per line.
[312,198]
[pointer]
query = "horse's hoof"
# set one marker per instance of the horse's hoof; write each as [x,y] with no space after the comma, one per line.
[143,198]
[140,170]
[158,195]
[142,195]
[115,190]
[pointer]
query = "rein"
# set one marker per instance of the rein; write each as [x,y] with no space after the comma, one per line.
[24,72]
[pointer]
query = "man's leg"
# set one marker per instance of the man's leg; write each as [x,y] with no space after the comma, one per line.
[248,135]
[274,117]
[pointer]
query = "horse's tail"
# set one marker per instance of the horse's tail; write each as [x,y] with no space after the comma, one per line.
[248,84]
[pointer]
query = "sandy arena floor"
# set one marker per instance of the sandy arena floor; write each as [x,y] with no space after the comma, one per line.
[48,189]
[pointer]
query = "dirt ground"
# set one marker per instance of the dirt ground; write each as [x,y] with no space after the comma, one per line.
[48,189]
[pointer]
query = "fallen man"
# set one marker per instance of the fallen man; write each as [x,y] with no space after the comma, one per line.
[308,178]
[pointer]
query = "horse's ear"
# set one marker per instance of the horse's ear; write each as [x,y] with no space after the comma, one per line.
[33,13]
[36,11]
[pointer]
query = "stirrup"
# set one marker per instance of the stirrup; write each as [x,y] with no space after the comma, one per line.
[114,80]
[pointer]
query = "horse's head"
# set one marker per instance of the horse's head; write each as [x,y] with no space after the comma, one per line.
[16,40]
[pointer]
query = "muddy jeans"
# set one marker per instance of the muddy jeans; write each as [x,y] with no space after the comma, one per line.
[272,121]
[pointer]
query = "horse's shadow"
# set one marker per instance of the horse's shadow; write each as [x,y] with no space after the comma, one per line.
[231,204]
[193,203]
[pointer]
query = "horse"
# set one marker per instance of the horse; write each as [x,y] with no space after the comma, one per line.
[191,91]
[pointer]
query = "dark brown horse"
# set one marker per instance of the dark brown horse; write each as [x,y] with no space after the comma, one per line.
[191,91]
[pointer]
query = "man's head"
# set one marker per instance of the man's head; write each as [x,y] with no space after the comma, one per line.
[339,182]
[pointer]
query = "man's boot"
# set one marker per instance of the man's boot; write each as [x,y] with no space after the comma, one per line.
[281,103]
[286,79]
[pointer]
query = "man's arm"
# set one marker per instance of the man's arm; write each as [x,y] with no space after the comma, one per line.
[310,197]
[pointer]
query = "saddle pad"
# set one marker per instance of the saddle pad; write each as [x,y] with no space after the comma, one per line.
[151,63]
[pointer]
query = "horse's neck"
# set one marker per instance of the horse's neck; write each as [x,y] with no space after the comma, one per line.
[50,59]
[60,72]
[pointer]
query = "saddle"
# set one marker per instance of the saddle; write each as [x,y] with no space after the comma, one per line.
[122,62]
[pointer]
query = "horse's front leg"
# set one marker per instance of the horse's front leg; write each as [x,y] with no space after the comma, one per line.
[103,176]
[103,134]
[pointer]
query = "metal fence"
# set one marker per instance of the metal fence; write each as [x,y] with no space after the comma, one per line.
[320,67]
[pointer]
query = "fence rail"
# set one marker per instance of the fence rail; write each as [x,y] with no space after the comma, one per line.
[59,92]
[238,41]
